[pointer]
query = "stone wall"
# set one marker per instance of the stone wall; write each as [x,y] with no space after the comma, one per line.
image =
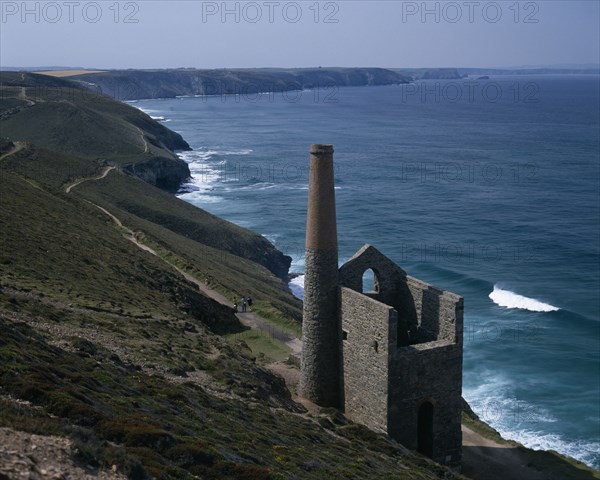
[390,358]
[388,275]
[434,310]
[320,379]
[369,337]
[428,372]
[402,350]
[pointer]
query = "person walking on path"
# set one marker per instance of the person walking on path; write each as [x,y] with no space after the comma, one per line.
[250,303]
[244,304]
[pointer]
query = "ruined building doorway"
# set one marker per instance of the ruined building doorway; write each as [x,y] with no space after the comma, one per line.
[425,429]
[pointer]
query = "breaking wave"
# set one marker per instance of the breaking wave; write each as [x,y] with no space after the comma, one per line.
[508,299]
[297,286]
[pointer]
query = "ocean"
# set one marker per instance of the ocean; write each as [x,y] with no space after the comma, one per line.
[487,188]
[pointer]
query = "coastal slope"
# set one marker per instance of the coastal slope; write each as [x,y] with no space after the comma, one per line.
[111,358]
[61,116]
[91,131]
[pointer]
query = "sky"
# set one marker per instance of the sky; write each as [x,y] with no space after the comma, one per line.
[269,33]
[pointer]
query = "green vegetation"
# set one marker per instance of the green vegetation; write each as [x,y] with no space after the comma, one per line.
[196,237]
[66,118]
[260,345]
[63,117]
[64,248]
[109,345]
[120,413]
[273,316]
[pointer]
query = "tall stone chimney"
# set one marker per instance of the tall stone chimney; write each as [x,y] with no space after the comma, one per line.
[320,380]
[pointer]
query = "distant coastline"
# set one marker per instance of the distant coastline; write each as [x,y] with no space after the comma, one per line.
[131,85]
[128,85]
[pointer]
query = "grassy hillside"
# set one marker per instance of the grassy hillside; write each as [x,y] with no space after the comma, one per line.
[65,249]
[105,344]
[63,117]
[92,131]
[228,419]
[108,345]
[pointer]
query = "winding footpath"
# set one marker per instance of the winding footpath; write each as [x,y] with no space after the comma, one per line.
[142,136]
[249,319]
[104,173]
[17,148]
[23,96]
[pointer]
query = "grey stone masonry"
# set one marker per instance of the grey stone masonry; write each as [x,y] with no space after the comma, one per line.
[366,354]
[320,379]
[390,357]
[402,356]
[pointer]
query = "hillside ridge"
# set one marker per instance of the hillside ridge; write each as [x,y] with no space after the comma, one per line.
[120,354]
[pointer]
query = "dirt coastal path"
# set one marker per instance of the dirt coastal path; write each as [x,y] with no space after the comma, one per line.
[143,137]
[104,173]
[249,319]
[17,148]
[483,459]
[23,96]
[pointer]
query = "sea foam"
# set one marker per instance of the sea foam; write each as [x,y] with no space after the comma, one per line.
[526,423]
[297,286]
[508,299]
[532,425]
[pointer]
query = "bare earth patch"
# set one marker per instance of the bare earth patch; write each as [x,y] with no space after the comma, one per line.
[28,456]
[68,73]
[485,459]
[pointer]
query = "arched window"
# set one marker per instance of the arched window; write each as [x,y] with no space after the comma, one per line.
[370,282]
[425,429]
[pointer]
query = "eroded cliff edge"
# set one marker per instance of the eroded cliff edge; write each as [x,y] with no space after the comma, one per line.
[144,84]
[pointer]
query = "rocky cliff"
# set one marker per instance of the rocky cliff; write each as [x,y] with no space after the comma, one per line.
[141,84]
[162,172]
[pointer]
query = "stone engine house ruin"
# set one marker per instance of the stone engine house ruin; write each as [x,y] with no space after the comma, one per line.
[390,358]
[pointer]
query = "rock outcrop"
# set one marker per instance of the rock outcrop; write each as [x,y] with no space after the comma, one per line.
[162,172]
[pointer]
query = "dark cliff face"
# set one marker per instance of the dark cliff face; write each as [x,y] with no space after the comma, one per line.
[162,172]
[264,253]
[139,84]
[166,170]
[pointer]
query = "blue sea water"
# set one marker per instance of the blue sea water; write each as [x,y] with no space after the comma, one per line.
[489,189]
